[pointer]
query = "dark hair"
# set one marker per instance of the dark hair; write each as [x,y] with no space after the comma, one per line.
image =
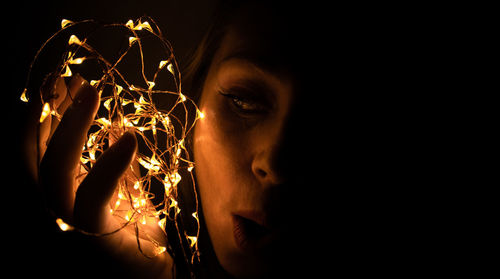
[194,74]
[193,77]
[196,69]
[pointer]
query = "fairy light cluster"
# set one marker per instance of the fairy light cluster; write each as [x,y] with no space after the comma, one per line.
[130,107]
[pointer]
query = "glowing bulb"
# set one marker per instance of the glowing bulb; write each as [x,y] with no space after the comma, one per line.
[170,68]
[162,64]
[45,112]
[192,240]
[62,225]
[103,121]
[183,98]
[160,250]
[24,98]
[94,83]
[74,40]
[138,205]
[131,40]
[144,25]
[67,73]
[92,154]
[76,60]
[118,89]
[107,104]
[152,165]
[65,23]
[130,24]
[84,160]
[162,222]
[200,114]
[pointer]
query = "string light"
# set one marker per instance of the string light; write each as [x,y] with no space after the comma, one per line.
[130,107]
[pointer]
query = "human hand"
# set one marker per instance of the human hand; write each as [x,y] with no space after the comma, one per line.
[82,199]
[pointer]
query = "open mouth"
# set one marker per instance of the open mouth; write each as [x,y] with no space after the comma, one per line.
[248,234]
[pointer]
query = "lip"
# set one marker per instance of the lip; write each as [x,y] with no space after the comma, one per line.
[250,231]
[255,216]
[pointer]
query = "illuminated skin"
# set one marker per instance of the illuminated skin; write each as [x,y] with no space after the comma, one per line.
[238,146]
[88,208]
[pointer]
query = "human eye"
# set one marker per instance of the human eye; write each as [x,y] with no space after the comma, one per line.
[244,101]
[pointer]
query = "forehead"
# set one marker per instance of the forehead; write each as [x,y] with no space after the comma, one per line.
[265,37]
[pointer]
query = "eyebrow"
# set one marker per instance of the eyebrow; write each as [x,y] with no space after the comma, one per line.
[256,60]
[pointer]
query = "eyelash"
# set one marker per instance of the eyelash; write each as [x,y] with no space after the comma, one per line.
[239,103]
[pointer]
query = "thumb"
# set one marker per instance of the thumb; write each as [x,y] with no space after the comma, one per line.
[96,190]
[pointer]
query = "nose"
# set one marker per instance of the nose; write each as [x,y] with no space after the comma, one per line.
[266,165]
[275,162]
[280,153]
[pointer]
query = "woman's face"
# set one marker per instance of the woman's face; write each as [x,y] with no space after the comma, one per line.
[240,149]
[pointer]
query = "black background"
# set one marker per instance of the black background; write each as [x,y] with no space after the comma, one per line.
[380,134]
[29,243]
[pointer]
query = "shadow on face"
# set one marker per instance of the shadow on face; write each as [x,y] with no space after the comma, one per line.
[251,148]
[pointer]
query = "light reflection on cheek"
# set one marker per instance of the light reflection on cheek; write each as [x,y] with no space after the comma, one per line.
[216,174]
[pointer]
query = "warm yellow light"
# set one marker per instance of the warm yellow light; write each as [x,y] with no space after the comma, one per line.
[76,60]
[134,199]
[67,73]
[162,64]
[94,82]
[74,40]
[200,114]
[118,89]
[182,97]
[152,165]
[130,24]
[92,154]
[103,121]
[65,23]
[144,25]
[192,240]
[62,225]
[170,68]
[162,222]
[45,112]
[160,250]
[24,98]
[132,40]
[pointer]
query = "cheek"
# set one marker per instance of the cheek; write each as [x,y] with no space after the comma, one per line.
[221,153]
[220,162]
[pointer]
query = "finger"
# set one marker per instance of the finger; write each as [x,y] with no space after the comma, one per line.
[58,166]
[54,94]
[43,136]
[35,133]
[93,195]
[69,93]
[61,103]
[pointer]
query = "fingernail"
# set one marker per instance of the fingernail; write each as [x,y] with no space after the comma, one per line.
[127,140]
[76,81]
[85,94]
